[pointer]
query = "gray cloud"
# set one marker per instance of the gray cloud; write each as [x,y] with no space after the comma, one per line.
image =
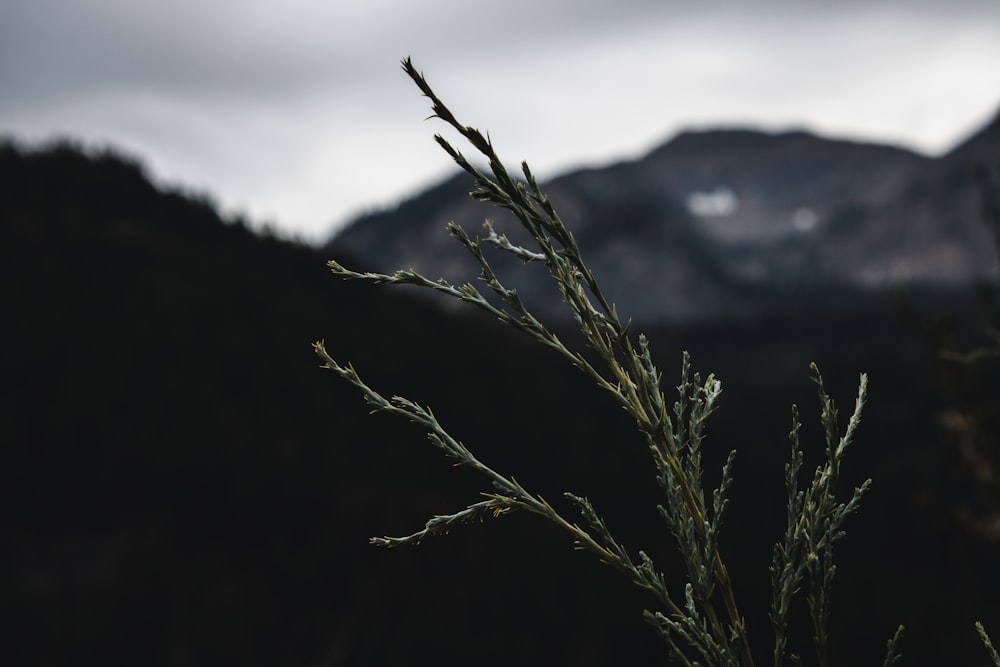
[295,111]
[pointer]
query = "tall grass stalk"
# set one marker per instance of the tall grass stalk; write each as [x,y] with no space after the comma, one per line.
[694,611]
[988,644]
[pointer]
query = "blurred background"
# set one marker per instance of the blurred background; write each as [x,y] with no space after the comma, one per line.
[764,184]
[295,113]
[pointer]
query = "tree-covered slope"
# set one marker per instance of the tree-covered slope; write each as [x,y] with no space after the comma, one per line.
[183,486]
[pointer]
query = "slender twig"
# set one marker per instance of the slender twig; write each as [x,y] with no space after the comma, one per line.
[694,629]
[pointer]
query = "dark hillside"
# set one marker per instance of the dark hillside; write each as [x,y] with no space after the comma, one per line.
[183,486]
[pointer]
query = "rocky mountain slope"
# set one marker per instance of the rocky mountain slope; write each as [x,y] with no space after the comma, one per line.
[727,221]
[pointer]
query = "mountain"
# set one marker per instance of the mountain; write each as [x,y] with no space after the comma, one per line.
[720,222]
[982,146]
[182,486]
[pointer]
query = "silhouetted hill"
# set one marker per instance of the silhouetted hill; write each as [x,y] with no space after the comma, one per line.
[183,486]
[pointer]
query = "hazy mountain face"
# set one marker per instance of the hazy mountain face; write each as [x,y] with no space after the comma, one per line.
[725,221]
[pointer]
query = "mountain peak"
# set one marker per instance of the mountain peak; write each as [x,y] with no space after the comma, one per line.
[745,141]
[728,220]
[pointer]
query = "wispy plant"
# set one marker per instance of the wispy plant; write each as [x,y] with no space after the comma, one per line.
[695,612]
[988,644]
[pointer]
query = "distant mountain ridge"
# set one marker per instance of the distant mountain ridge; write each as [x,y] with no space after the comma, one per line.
[722,221]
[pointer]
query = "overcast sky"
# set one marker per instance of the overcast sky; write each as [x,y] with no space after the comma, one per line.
[295,112]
